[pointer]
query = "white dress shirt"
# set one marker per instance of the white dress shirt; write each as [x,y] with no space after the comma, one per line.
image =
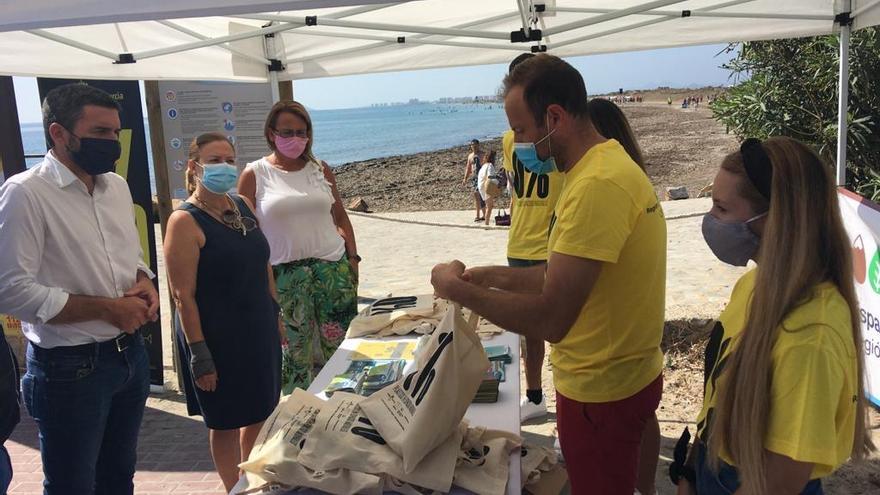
[55,240]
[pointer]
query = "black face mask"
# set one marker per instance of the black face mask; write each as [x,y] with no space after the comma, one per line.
[96,156]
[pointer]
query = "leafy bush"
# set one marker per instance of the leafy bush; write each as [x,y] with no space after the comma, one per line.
[789,87]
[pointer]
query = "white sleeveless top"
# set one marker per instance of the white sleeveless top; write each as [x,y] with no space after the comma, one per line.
[294,213]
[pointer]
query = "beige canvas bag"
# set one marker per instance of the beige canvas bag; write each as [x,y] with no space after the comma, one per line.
[536,460]
[418,413]
[384,312]
[343,437]
[484,462]
[273,458]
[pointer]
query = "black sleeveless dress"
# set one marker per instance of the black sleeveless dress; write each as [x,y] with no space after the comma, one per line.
[240,325]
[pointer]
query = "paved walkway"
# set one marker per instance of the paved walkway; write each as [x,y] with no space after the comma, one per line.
[398,250]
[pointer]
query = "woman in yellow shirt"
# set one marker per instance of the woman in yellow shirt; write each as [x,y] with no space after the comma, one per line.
[784,401]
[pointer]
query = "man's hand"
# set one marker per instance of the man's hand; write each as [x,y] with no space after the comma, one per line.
[144,289]
[478,276]
[128,313]
[444,275]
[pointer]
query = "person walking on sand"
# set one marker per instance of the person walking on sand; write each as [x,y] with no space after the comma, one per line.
[471,171]
[488,184]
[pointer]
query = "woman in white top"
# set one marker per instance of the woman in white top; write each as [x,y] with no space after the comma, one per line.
[487,184]
[312,246]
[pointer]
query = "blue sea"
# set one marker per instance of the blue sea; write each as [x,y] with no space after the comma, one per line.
[343,136]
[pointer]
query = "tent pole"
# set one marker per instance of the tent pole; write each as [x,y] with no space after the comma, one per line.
[272,55]
[843,95]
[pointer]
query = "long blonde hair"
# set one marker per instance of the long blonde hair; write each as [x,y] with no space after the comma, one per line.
[803,244]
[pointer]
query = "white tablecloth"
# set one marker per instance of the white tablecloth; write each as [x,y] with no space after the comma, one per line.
[502,415]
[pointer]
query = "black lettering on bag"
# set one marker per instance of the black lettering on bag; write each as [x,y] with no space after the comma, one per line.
[392,304]
[368,433]
[426,375]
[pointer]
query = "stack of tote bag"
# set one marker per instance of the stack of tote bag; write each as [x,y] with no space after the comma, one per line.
[409,437]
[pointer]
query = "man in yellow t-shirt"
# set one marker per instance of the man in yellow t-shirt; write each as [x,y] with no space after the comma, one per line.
[600,299]
[533,198]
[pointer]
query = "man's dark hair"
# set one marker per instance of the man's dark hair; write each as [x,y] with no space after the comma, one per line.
[475,142]
[519,58]
[548,80]
[65,104]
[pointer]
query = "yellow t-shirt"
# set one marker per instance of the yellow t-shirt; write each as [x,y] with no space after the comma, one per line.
[608,211]
[813,384]
[534,197]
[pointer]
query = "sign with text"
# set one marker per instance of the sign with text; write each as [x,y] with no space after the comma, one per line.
[190,108]
[133,166]
[861,218]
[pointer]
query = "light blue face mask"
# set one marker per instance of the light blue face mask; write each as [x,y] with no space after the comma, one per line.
[527,154]
[219,177]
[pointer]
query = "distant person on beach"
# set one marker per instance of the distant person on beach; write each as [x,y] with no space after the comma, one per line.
[669,100]
[72,270]
[533,198]
[215,254]
[312,245]
[611,123]
[784,399]
[488,184]
[471,171]
[601,297]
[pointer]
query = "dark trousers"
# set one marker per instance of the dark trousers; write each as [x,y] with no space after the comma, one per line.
[726,480]
[88,402]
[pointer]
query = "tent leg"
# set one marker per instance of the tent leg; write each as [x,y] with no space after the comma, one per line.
[843,98]
[272,55]
[273,85]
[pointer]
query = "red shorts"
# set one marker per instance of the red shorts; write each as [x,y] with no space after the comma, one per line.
[600,440]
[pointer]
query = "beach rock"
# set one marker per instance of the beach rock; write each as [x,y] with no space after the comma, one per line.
[358,204]
[705,192]
[674,193]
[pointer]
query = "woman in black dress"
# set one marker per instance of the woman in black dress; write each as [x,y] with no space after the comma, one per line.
[227,326]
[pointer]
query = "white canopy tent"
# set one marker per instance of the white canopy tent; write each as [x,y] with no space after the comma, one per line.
[236,40]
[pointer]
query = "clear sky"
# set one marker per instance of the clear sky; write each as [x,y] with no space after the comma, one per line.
[674,67]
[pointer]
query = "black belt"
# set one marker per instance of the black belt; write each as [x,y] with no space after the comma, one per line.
[117,344]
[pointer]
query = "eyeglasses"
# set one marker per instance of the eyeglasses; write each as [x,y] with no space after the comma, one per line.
[287,133]
[217,162]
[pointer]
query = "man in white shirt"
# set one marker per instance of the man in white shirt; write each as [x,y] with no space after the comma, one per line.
[71,268]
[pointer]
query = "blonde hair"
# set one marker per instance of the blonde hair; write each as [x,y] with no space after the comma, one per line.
[189,179]
[804,244]
[295,108]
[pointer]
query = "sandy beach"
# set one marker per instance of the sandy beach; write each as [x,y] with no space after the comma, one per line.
[682,147]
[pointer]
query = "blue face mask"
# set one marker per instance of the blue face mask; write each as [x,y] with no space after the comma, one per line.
[527,154]
[219,177]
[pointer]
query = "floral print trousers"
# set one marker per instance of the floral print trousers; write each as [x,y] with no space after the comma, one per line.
[318,300]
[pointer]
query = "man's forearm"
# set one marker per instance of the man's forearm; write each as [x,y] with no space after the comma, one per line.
[520,313]
[82,308]
[528,280]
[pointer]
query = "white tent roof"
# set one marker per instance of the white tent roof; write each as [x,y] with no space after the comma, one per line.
[37,38]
